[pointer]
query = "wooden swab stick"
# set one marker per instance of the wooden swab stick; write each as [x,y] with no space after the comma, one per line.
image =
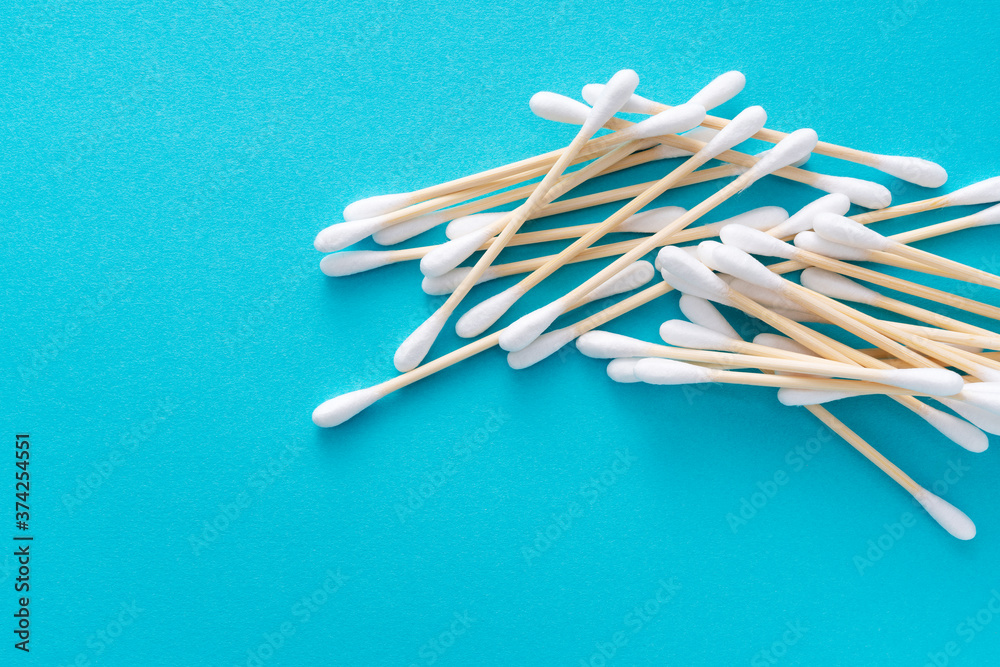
[527,328]
[947,515]
[915,170]
[989,342]
[340,408]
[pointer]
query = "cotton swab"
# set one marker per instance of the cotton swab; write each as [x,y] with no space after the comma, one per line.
[949,517]
[914,170]
[863,193]
[653,370]
[932,382]
[848,232]
[519,334]
[339,409]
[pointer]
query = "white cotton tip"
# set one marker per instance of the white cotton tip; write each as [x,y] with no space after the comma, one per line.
[471,223]
[407,229]
[559,108]
[814,243]
[765,217]
[984,419]
[932,381]
[519,334]
[702,134]
[837,286]
[849,232]
[681,333]
[349,262]
[798,163]
[983,192]
[988,216]
[613,97]
[782,343]
[450,254]
[541,348]
[378,205]
[483,315]
[449,282]
[686,288]
[802,220]
[799,397]
[957,430]
[623,370]
[738,264]
[339,409]
[950,517]
[755,242]
[861,192]
[339,236]
[634,104]
[413,350]
[671,121]
[720,90]
[792,148]
[631,277]
[704,313]
[607,345]
[983,395]
[746,124]
[667,371]
[914,170]
[651,221]
[690,271]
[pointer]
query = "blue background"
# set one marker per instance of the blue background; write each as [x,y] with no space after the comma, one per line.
[166,333]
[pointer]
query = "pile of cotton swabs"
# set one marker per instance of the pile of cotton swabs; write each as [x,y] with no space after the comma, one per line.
[942,358]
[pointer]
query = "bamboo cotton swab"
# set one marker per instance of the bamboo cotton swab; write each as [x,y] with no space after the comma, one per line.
[915,170]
